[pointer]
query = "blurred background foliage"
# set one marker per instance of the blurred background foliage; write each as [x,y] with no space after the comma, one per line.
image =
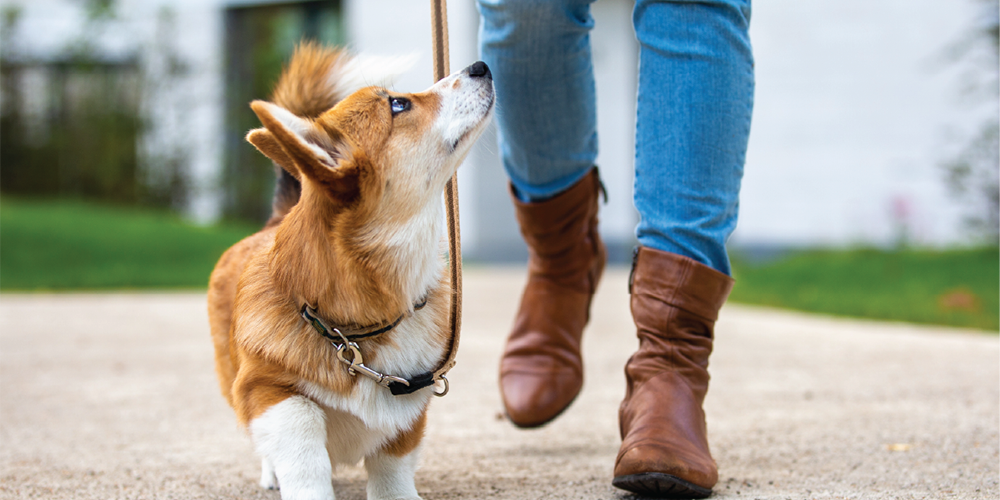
[258,41]
[74,125]
[94,162]
[973,176]
[71,124]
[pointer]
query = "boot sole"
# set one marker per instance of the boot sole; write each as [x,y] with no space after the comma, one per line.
[659,485]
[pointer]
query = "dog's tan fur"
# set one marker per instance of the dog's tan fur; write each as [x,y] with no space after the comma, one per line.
[354,246]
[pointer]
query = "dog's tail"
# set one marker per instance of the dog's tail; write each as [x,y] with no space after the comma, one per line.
[311,83]
[315,80]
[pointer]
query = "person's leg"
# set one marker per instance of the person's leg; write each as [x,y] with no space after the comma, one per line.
[693,121]
[539,53]
[692,124]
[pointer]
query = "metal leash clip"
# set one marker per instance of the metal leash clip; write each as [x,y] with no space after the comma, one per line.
[356,364]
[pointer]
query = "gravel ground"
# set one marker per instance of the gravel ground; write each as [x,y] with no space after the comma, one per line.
[112,396]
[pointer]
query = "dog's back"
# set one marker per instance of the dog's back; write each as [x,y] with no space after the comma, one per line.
[315,80]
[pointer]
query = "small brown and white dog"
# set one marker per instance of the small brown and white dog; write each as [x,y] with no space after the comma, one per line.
[355,239]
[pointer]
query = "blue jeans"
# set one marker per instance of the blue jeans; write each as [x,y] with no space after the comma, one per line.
[693,112]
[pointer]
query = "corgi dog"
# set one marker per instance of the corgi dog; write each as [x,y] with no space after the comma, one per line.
[328,322]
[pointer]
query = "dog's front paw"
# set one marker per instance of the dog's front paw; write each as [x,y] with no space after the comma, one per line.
[268,479]
[391,477]
[269,483]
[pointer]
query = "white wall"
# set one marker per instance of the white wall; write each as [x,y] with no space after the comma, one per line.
[855,110]
[192,109]
[616,61]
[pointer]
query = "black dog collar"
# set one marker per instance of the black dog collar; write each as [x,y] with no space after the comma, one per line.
[344,340]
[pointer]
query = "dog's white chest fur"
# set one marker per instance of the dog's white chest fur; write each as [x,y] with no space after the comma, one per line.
[359,426]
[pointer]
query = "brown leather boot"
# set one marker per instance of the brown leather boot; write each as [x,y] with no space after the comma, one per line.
[541,371]
[664,451]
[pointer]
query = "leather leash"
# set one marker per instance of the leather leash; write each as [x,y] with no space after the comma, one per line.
[439,47]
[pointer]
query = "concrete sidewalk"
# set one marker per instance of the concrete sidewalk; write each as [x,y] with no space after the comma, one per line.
[112,396]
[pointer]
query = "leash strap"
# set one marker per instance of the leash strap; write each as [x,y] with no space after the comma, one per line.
[439,46]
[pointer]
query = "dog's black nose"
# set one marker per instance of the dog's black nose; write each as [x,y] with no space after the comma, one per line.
[480,69]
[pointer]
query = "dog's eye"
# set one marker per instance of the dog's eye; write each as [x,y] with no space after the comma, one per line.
[399,104]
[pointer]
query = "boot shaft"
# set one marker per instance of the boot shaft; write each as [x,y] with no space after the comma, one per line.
[675,302]
[561,233]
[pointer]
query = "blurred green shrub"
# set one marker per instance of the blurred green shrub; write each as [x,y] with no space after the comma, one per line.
[72,122]
[973,176]
[259,41]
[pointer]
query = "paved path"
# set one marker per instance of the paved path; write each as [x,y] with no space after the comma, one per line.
[113,397]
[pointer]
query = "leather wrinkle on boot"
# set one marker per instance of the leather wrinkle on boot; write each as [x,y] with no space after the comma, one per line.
[701,298]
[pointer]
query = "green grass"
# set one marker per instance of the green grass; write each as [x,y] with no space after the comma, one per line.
[73,245]
[956,287]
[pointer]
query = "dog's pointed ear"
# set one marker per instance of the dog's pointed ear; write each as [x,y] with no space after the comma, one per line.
[319,154]
[265,142]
